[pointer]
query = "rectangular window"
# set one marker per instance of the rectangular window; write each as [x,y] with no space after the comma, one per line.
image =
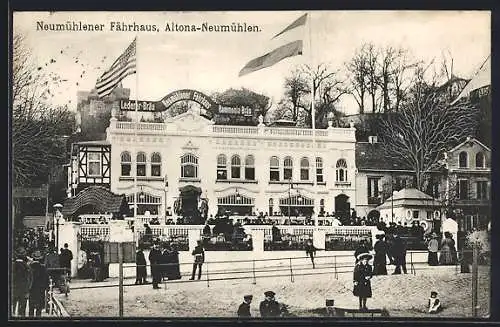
[463,189]
[141,169]
[482,190]
[155,170]
[304,174]
[235,172]
[415,214]
[221,173]
[287,173]
[94,162]
[126,167]
[274,174]
[319,175]
[373,190]
[189,171]
[250,173]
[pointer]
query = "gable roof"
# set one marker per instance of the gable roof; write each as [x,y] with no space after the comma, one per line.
[481,78]
[97,197]
[409,197]
[370,156]
[469,140]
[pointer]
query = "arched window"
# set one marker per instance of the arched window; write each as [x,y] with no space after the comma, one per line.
[319,170]
[274,169]
[249,168]
[126,163]
[462,159]
[235,166]
[189,166]
[155,164]
[341,170]
[480,160]
[287,168]
[221,167]
[304,169]
[271,206]
[141,164]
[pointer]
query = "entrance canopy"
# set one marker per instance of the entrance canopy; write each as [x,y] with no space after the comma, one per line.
[95,199]
[190,189]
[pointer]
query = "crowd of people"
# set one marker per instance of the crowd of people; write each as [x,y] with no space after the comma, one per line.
[31,275]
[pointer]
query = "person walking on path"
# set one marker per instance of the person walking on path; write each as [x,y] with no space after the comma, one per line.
[199,259]
[65,258]
[311,251]
[380,258]
[155,258]
[432,248]
[269,308]
[361,278]
[244,308]
[39,286]
[140,267]
[22,279]
[399,255]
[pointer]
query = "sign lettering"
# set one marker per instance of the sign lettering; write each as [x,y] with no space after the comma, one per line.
[129,105]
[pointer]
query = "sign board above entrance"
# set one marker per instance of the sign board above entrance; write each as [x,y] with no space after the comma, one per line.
[129,105]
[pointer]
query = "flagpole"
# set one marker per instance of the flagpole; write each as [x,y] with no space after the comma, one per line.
[313,115]
[136,120]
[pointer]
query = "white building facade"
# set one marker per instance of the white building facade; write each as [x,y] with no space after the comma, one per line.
[255,169]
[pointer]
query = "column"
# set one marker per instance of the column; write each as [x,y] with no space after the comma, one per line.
[257,242]
[319,239]
[68,233]
[119,231]
[193,236]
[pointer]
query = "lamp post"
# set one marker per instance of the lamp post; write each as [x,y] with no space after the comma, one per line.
[57,215]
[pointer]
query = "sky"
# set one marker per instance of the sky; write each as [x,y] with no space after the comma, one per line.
[210,62]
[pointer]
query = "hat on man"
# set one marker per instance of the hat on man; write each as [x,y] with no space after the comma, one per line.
[248,297]
[269,294]
[20,252]
[362,256]
[380,236]
[434,234]
[37,255]
[434,293]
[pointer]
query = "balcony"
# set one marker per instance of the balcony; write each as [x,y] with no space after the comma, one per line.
[374,200]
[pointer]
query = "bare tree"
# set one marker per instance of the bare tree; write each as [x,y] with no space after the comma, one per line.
[296,91]
[372,56]
[39,130]
[357,70]
[425,127]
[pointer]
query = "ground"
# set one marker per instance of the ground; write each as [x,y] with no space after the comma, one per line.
[401,295]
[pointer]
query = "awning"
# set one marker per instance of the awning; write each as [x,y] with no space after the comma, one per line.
[95,199]
[190,189]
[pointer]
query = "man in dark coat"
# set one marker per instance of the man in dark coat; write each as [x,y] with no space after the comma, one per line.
[269,307]
[22,279]
[244,308]
[199,259]
[399,254]
[39,285]
[65,258]
[140,270]
[381,253]
[311,251]
[96,266]
[155,257]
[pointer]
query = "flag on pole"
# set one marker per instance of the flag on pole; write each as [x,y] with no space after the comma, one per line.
[123,66]
[289,43]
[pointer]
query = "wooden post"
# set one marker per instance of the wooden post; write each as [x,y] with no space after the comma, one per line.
[475,255]
[291,271]
[254,279]
[335,266]
[120,279]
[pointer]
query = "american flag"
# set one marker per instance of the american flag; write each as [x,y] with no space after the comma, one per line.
[122,67]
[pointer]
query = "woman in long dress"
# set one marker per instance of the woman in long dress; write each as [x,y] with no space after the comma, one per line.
[361,279]
[379,261]
[447,250]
